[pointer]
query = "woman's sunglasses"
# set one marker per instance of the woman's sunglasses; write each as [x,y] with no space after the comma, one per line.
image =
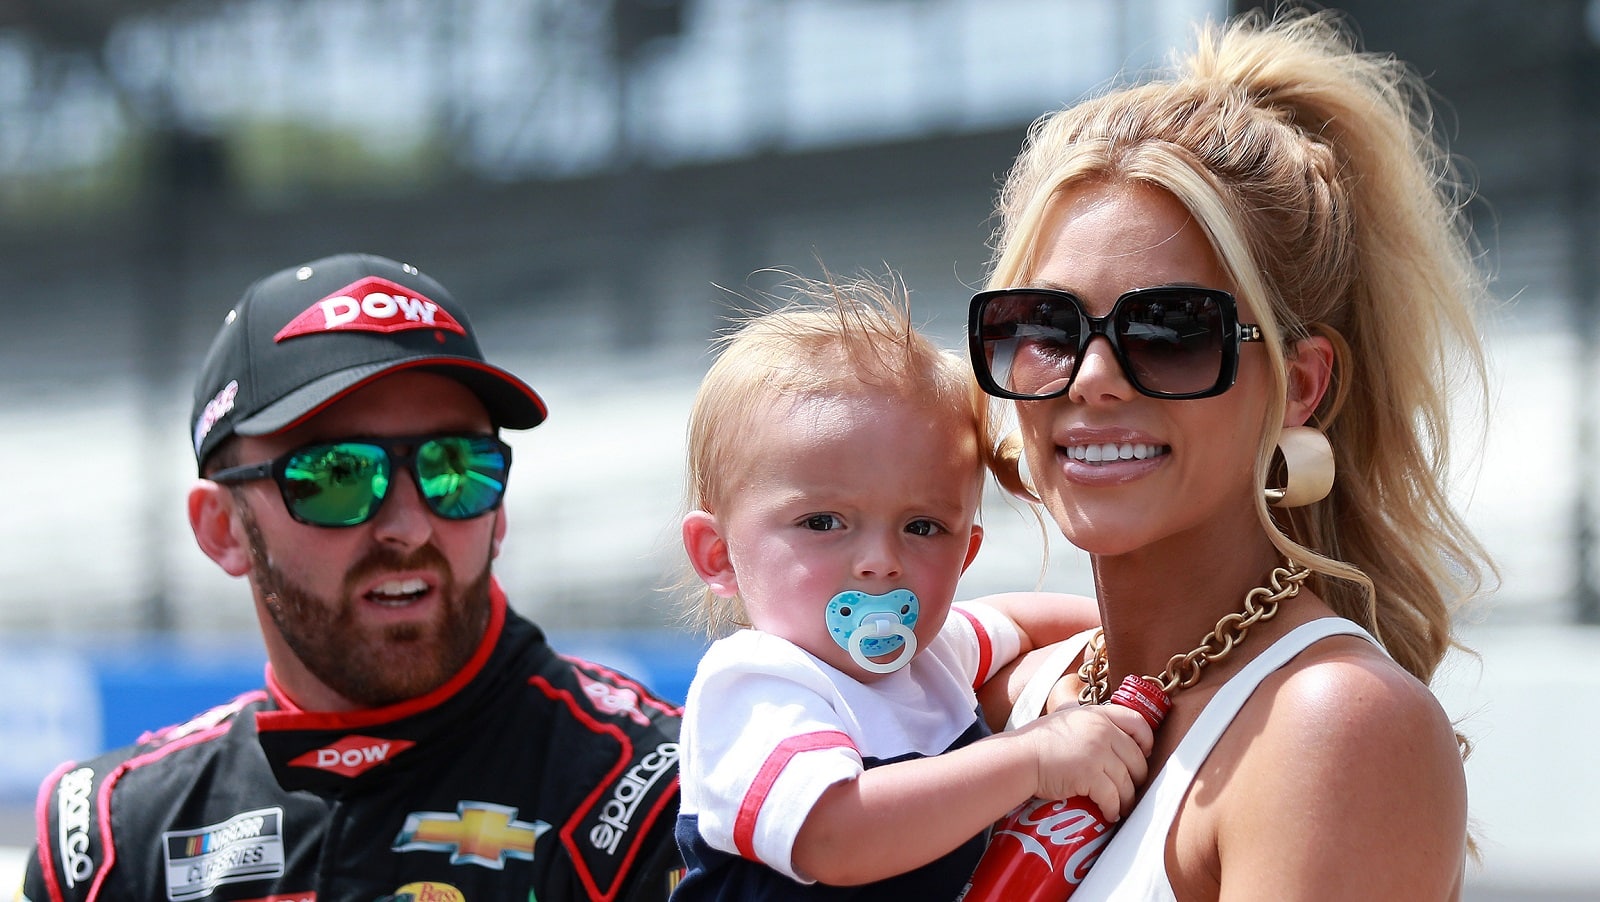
[344,483]
[1172,341]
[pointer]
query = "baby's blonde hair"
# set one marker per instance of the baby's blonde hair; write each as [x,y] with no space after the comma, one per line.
[828,339]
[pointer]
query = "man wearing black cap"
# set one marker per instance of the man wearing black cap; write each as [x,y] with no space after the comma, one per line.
[416,739]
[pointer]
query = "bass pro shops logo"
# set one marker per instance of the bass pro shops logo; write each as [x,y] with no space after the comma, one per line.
[371,305]
[429,892]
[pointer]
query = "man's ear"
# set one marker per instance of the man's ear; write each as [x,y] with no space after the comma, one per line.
[708,553]
[212,517]
[499,532]
[974,542]
[1310,371]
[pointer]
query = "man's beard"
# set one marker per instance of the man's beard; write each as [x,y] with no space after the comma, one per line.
[373,666]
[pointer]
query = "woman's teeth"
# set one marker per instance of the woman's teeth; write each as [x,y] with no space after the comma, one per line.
[1109,451]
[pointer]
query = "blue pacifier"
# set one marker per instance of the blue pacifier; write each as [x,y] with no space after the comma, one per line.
[871,625]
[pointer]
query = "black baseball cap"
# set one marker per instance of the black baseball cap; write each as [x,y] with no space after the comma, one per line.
[305,336]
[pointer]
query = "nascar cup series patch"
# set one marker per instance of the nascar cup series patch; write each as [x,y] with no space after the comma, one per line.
[247,846]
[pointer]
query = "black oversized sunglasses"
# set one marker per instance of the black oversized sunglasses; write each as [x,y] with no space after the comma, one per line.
[1172,341]
[344,483]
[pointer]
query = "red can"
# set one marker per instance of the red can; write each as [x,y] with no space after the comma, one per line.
[1041,851]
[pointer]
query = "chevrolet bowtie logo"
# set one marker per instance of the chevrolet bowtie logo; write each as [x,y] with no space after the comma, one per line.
[478,833]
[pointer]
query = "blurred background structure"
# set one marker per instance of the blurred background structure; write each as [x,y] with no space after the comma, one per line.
[601,182]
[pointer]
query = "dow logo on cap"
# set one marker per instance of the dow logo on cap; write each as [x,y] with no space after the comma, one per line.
[371,305]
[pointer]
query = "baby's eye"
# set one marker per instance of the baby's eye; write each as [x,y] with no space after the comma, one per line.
[821,522]
[923,528]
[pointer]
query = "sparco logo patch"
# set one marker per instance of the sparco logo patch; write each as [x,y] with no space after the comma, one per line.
[247,846]
[352,755]
[612,699]
[478,833]
[371,305]
[617,814]
[72,825]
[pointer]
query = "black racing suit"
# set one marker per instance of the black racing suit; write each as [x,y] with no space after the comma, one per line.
[529,776]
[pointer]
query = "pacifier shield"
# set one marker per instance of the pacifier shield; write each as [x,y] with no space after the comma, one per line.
[849,611]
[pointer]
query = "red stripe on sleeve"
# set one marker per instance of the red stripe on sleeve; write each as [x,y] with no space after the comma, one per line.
[744,825]
[985,648]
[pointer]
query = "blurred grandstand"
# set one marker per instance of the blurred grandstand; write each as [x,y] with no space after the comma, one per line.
[600,180]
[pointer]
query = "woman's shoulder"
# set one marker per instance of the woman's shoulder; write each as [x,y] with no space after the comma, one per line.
[1345,690]
[1343,761]
[1343,717]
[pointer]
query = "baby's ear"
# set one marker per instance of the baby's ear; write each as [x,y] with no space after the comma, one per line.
[974,542]
[708,553]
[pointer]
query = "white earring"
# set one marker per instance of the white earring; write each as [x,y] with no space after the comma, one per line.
[1308,468]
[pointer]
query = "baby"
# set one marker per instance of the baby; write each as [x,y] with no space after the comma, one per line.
[835,477]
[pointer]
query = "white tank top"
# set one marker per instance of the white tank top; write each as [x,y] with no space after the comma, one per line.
[1133,865]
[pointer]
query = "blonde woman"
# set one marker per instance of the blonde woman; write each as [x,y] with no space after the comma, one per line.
[1225,308]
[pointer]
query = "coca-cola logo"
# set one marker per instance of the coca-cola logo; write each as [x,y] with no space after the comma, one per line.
[1050,829]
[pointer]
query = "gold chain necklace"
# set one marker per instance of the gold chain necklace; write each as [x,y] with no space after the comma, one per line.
[1183,671]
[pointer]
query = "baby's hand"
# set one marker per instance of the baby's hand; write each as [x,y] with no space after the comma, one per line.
[1096,751]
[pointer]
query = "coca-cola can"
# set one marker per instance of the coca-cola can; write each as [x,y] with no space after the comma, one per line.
[1040,852]
[1044,848]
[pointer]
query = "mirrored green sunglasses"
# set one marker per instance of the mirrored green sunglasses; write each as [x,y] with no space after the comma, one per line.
[343,483]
